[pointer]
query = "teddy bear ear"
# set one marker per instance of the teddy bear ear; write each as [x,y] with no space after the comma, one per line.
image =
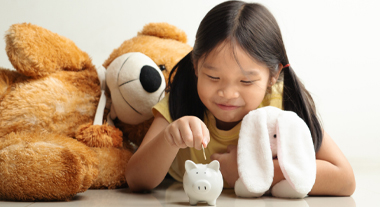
[164,30]
[37,52]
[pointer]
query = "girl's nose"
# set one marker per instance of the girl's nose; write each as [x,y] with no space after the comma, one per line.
[228,93]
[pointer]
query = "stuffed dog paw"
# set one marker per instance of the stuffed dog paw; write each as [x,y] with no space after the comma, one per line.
[267,133]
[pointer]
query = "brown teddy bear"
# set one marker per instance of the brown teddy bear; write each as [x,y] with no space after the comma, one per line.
[54,96]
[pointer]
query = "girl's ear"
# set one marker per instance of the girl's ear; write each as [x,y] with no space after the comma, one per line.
[274,79]
[295,152]
[255,165]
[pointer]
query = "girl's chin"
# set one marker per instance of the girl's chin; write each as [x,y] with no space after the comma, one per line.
[228,116]
[226,124]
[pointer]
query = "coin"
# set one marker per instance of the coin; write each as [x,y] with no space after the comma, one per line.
[204,154]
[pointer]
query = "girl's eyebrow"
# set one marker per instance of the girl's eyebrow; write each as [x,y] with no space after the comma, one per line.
[205,65]
[251,72]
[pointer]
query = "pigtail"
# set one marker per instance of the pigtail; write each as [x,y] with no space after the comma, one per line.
[184,99]
[296,98]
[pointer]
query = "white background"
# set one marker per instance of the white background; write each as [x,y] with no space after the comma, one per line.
[333,45]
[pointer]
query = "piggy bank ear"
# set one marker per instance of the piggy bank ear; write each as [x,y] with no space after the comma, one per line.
[214,165]
[295,152]
[255,163]
[189,165]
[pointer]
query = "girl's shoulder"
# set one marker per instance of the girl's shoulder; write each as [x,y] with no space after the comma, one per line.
[162,107]
[274,98]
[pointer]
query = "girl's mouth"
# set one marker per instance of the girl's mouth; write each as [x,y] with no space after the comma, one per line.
[227,107]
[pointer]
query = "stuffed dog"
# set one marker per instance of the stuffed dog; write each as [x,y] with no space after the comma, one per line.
[267,133]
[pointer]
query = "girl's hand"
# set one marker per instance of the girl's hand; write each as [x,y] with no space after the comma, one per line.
[187,131]
[228,164]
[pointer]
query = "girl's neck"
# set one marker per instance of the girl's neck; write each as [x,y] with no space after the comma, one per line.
[225,125]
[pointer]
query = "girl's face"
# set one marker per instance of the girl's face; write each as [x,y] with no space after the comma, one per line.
[231,85]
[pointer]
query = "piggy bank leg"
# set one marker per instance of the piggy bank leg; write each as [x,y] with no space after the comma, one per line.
[212,202]
[193,202]
[283,189]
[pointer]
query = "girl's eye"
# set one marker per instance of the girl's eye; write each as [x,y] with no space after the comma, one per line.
[213,78]
[247,82]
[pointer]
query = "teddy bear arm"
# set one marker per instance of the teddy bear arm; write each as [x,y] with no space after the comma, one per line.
[99,135]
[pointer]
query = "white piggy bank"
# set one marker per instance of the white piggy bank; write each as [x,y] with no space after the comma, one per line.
[202,183]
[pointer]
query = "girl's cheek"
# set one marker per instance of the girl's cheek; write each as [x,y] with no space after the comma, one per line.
[206,84]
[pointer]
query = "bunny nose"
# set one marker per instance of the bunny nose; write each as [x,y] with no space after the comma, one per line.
[150,79]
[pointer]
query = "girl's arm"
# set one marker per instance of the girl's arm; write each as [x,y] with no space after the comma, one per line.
[150,163]
[334,173]
[148,166]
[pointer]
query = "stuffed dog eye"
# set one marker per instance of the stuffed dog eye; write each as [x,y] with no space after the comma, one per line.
[162,67]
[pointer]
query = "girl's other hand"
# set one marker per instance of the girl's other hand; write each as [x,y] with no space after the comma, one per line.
[228,164]
[187,131]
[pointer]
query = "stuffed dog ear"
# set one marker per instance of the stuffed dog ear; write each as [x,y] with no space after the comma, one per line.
[255,163]
[295,152]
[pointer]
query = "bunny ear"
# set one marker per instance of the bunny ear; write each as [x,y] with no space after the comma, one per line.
[255,163]
[295,152]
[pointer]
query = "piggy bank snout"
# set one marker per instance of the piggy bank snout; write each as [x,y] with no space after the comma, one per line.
[202,186]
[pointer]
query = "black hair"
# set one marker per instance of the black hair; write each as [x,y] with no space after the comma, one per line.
[255,29]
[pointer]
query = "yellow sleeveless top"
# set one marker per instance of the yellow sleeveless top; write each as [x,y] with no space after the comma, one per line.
[219,139]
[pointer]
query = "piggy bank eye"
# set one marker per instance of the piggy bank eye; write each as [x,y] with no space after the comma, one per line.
[275,136]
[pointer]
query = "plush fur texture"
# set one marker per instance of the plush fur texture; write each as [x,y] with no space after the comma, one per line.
[53,103]
[54,90]
[44,54]
[100,136]
[51,98]
[294,150]
[165,51]
[41,166]
[111,175]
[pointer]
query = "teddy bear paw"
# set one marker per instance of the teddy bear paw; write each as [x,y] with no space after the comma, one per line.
[99,135]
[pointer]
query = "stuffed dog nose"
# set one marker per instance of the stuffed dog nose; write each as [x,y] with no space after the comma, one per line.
[150,79]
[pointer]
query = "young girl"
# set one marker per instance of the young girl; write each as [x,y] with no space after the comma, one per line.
[238,63]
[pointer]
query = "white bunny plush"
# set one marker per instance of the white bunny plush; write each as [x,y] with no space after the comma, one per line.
[266,133]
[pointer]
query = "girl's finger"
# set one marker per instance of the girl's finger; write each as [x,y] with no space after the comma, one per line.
[169,138]
[176,136]
[196,129]
[179,143]
[206,135]
[186,134]
[230,148]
